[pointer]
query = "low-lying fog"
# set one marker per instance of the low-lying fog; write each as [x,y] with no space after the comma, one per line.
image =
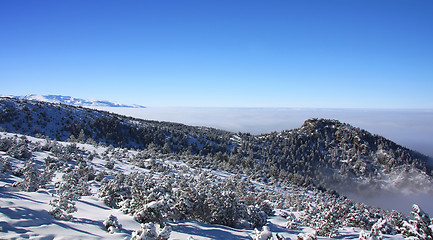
[410,128]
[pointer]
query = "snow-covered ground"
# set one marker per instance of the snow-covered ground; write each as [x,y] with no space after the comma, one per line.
[25,215]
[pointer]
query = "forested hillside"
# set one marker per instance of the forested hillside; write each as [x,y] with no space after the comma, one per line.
[325,153]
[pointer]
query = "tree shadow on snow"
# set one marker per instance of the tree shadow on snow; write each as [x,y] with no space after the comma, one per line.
[209,231]
[279,229]
[34,218]
[6,227]
[79,220]
[7,180]
[348,236]
[27,217]
[98,224]
[94,205]
[15,195]
[89,222]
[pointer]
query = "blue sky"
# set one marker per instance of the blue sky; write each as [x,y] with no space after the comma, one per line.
[326,54]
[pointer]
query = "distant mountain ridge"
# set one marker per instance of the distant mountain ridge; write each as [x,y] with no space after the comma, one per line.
[75,101]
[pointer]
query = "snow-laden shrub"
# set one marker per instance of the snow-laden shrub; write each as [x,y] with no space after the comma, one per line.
[325,216]
[152,212]
[112,224]
[326,228]
[307,236]
[63,205]
[371,235]
[224,206]
[50,167]
[86,172]
[395,220]
[109,164]
[68,191]
[265,234]
[31,180]
[148,231]
[201,199]
[382,226]
[256,217]
[5,144]
[379,228]
[4,165]
[79,182]
[267,207]
[100,176]
[115,191]
[19,150]
[292,222]
[420,227]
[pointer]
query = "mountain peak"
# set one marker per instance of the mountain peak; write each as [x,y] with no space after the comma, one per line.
[318,123]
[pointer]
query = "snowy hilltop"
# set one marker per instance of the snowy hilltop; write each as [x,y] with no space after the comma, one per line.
[75,101]
[75,173]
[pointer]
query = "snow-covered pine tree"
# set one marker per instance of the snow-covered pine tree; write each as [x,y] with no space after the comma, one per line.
[19,149]
[382,226]
[64,204]
[68,191]
[265,234]
[31,180]
[112,224]
[148,231]
[115,191]
[371,235]
[420,227]
[307,236]
[292,222]
[256,217]
[4,165]
[152,212]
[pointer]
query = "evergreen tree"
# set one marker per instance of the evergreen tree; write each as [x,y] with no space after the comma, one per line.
[112,224]
[420,227]
[68,191]
[32,179]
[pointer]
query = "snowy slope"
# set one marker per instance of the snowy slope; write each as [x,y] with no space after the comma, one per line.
[26,214]
[75,101]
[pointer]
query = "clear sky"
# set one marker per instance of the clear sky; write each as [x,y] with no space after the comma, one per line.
[348,53]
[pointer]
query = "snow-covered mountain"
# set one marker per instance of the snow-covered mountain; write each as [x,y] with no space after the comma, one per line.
[75,101]
[67,167]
